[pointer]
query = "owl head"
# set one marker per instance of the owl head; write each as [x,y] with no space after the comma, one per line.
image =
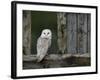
[46,33]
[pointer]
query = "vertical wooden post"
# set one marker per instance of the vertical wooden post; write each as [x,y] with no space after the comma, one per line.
[27,32]
[62,31]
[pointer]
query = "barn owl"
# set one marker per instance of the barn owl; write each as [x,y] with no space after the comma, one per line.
[43,43]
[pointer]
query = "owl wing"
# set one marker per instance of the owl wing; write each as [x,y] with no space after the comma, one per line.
[49,42]
[42,48]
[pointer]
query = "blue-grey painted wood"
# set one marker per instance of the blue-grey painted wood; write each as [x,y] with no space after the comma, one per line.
[89,32]
[71,33]
[78,32]
[82,33]
[85,34]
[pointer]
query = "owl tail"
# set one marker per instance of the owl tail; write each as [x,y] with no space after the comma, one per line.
[40,58]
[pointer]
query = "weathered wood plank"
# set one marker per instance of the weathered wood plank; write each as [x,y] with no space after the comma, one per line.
[82,33]
[89,32]
[61,31]
[85,34]
[71,31]
[27,32]
[55,56]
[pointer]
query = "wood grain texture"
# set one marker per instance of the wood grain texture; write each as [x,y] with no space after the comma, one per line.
[71,31]
[89,32]
[62,31]
[82,33]
[55,56]
[27,32]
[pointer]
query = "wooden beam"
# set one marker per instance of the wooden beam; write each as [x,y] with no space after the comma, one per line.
[55,56]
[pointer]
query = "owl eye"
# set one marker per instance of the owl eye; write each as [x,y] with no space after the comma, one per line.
[48,33]
[44,33]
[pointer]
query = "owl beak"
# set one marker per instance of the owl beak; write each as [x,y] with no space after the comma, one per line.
[46,38]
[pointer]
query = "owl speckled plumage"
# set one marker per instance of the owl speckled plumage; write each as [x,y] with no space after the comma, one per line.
[43,43]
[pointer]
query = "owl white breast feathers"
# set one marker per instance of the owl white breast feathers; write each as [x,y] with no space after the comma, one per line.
[43,43]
